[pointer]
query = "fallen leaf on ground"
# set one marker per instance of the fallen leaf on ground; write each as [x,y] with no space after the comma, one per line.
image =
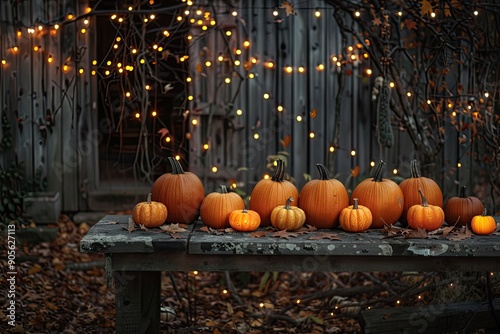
[284,234]
[324,235]
[172,228]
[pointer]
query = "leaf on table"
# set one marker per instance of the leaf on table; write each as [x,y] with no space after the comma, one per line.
[175,235]
[131,226]
[142,227]
[416,234]
[210,230]
[259,234]
[112,222]
[462,233]
[205,229]
[172,228]
[393,231]
[229,230]
[324,235]
[284,234]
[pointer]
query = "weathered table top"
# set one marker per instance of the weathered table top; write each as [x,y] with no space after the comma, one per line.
[198,248]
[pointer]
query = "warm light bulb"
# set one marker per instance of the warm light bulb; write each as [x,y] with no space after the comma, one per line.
[107,72]
[50,59]
[256,136]
[299,118]
[372,163]
[128,94]
[15,49]
[214,169]
[70,16]
[227,80]
[177,157]
[36,48]
[369,71]
[429,101]
[206,146]
[4,61]
[311,135]
[239,112]
[81,71]
[228,33]
[188,79]
[246,44]
[238,51]
[391,84]
[251,75]
[137,115]
[433,15]
[332,149]
[153,113]
[237,62]
[320,67]
[476,13]
[357,13]
[56,26]
[459,165]
[289,69]
[280,108]
[166,33]
[270,64]
[190,97]
[353,152]
[400,13]
[350,48]
[486,94]
[317,13]
[86,21]
[408,94]
[65,68]
[266,96]
[168,139]
[275,13]
[301,69]
[395,171]
[208,64]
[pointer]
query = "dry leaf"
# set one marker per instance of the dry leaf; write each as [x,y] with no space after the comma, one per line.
[172,228]
[259,234]
[426,8]
[131,225]
[285,142]
[284,234]
[416,234]
[289,10]
[460,234]
[324,235]
[313,113]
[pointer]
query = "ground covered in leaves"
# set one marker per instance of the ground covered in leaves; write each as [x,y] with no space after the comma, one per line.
[60,290]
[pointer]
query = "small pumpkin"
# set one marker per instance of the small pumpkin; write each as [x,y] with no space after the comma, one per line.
[410,188]
[355,218]
[382,196]
[244,220]
[269,193]
[459,210]
[150,214]
[323,199]
[217,206]
[483,224]
[288,217]
[181,192]
[425,216]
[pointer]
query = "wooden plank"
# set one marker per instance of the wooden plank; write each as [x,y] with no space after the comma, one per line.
[168,261]
[109,235]
[435,318]
[370,243]
[137,301]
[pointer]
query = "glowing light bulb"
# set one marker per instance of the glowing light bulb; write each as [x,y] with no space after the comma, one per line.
[320,67]
[357,13]
[391,84]
[206,146]
[317,13]
[137,115]
[289,69]
[266,96]
[246,44]
[237,62]
[301,69]
[256,136]
[214,169]
[153,113]
[395,171]
[312,135]
[280,108]
[177,157]
[353,152]
[50,59]
[168,139]
[81,71]
[227,80]
[369,71]
[299,118]
[239,112]
[331,149]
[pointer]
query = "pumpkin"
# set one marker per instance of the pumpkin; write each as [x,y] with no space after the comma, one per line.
[410,188]
[288,217]
[181,192]
[382,196]
[425,216]
[244,220]
[460,209]
[483,224]
[323,199]
[217,206]
[150,214]
[355,218]
[269,193]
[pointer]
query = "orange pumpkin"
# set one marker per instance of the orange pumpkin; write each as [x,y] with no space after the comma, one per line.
[355,218]
[150,214]
[410,188]
[181,192]
[244,220]
[269,193]
[425,216]
[323,199]
[382,196]
[483,224]
[460,210]
[217,206]
[288,217]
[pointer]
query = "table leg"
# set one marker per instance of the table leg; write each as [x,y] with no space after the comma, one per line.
[137,301]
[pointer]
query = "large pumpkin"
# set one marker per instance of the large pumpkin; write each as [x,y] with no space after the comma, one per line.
[382,196]
[217,206]
[411,186]
[181,192]
[270,193]
[323,199]
[460,209]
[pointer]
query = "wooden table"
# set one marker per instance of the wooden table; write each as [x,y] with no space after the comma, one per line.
[134,261]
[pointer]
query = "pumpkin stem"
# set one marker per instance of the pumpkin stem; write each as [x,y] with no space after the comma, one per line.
[279,173]
[288,201]
[377,176]
[244,211]
[323,172]
[424,200]
[149,198]
[176,166]
[355,205]
[415,173]
[223,189]
[461,194]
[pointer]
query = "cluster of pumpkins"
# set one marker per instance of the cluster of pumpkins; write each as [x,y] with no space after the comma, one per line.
[322,203]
